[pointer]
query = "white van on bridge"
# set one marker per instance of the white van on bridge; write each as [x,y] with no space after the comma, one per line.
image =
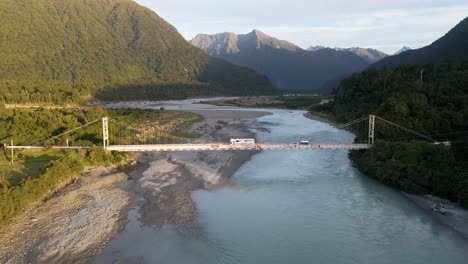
[240,141]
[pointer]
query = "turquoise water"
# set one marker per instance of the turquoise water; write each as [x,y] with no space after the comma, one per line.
[296,207]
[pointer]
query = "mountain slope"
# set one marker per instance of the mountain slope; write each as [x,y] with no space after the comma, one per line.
[105,42]
[288,66]
[454,46]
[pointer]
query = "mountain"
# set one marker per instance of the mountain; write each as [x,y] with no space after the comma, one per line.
[288,66]
[369,55]
[452,46]
[109,43]
[230,43]
[405,48]
[315,48]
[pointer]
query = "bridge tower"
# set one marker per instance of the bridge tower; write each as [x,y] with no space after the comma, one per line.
[105,132]
[371,129]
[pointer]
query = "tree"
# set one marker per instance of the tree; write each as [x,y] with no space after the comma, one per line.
[4,179]
[3,110]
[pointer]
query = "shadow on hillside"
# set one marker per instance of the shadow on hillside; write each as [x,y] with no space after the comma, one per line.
[153,91]
[217,78]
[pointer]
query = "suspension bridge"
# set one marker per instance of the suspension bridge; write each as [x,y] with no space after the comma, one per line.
[128,138]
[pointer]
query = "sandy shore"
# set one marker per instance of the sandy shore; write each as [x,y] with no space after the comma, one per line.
[456,216]
[72,225]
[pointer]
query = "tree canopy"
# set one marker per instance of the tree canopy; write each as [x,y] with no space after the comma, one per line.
[429,98]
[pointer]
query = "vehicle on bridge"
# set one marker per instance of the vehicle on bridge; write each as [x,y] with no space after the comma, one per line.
[304,142]
[240,141]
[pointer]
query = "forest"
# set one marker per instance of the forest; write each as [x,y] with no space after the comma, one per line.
[431,99]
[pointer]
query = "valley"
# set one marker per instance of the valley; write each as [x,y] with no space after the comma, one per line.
[132,132]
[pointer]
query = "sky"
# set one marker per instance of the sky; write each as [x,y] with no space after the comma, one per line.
[383,25]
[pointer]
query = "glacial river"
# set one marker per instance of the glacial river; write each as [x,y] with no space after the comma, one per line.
[297,207]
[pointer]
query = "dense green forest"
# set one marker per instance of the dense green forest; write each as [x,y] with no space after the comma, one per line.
[61,50]
[429,98]
[35,174]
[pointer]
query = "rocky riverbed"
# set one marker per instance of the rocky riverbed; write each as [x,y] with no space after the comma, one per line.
[73,225]
[77,222]
[164,181]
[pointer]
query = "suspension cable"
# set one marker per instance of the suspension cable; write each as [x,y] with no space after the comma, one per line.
[68,132]
[352,122]
[407,130]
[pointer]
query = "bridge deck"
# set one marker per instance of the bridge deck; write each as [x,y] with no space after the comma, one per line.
[219,147]
[210,147]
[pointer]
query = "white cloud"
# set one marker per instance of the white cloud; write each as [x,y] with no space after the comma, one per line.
[388,30]
[336,23]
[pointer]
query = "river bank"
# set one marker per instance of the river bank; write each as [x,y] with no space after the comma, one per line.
[163,183]
[456,216]
[78,221]
[297,206]
[311,116]
[73,224]
[158,194]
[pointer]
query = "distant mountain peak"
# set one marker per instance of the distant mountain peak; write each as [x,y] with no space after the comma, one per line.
[403,49]
[315,48]
[258,33]
[369,55]
[230,43]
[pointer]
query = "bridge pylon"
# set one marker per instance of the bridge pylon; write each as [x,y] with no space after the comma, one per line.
[105,132]
[371,129]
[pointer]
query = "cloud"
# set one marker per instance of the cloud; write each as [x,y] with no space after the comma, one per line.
[336,23]
[388,30]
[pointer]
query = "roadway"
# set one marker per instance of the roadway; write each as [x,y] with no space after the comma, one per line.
[224,147]
[207,147]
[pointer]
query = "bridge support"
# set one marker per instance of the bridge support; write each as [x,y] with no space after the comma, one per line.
[12,153]
[371,129]
[105,132]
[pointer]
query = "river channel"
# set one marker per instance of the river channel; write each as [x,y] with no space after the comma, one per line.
[296,207]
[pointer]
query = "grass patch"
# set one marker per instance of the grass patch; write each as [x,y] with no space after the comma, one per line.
[28,164]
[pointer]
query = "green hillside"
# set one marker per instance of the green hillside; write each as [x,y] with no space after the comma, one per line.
[89,45]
